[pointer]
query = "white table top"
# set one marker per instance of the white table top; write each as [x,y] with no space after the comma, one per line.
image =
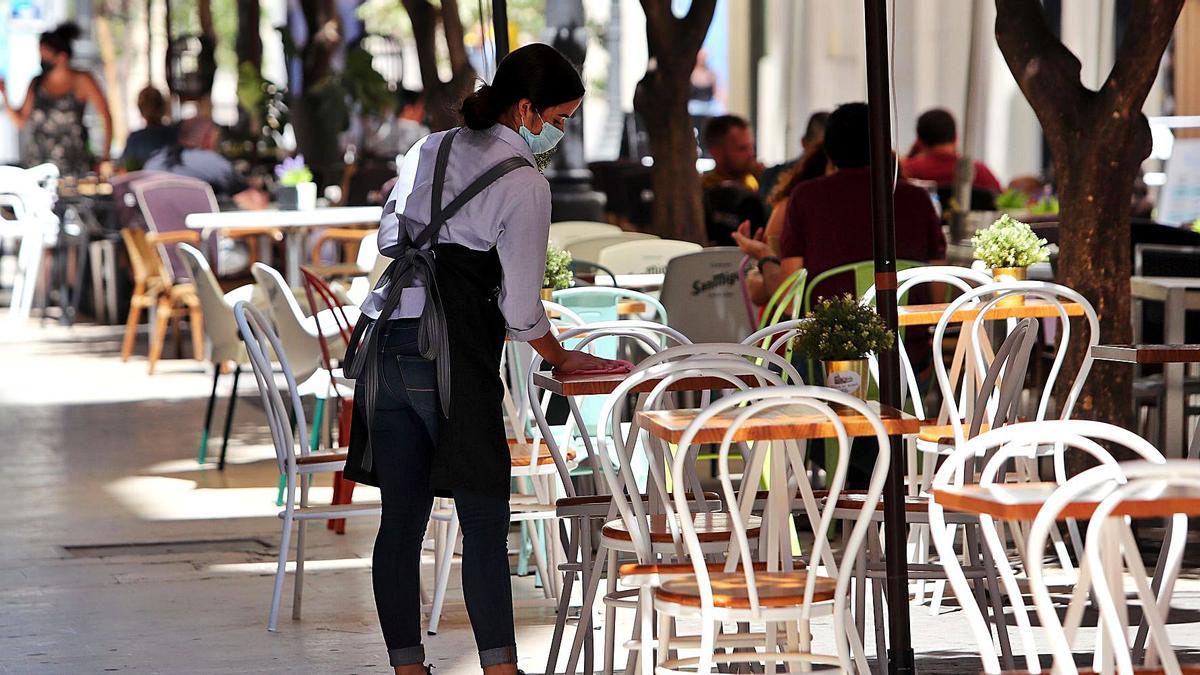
[323,217]
[1156,288]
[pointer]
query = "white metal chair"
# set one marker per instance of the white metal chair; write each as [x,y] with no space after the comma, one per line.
[996,450]
[647,256]
[781,597]
[702,293]
[295,460]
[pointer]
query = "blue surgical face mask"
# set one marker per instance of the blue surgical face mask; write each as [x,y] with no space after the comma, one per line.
[542,142]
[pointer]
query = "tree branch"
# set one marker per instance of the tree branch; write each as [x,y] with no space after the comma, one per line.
[424,26]
[453,29]
[696,23]
[1151,24]
[1042,66]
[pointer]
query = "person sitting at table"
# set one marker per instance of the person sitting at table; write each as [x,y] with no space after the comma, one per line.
[194,154]
[156,135]
[731,188]
[935,153]
[828,219]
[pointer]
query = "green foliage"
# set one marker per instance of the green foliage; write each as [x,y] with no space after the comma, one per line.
[558,269]
[1009,243]
[840,329]
[387,17]
[1012,199]
[364,85]
[1046,206]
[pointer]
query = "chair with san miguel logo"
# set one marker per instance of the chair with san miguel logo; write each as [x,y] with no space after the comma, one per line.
[703,298]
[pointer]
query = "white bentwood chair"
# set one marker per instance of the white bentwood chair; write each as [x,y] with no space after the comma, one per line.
[780,599]
[289,435]
[996,450]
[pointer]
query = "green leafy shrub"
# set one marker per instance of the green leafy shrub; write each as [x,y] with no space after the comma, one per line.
[1009,243]
[841,329]
[558,269]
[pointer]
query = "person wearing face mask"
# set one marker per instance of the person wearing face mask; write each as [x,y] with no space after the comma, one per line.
[467,225]
[51,116]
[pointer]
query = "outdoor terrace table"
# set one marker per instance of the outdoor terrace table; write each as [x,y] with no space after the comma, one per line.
[1171,357]
[1179,295]
[634,282]
[1037,308]
[295,226]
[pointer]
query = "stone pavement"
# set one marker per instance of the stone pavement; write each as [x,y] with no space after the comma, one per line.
[118,552]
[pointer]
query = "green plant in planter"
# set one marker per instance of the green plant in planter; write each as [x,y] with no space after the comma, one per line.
[293,171]
[1012,200]
[1009,243]
[840,329]
[558,269]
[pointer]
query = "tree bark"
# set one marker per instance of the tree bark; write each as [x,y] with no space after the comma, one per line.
[248,45]
[1097,140]
[661,99]
[442,97]
[316,132]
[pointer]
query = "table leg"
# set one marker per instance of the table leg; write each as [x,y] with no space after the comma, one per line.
[1173,399]
[294,240]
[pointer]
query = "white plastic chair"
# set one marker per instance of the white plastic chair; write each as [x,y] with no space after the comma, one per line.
[821,589]
[589,249]
[703,294]
[647,256]
[29,194]
[996,449]
[567,231]
[292,453]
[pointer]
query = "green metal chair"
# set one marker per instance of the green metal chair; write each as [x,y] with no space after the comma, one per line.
[789,293]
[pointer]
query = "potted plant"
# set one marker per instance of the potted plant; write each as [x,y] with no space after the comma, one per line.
[558,272]
[297,191]
[841,333]
[1009,247]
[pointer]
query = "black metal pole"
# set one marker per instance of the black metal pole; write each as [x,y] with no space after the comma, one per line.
[900,654]
[500,28]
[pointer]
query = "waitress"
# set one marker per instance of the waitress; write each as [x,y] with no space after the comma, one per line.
[467,223]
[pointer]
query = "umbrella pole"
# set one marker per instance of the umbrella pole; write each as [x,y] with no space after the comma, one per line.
[900,654]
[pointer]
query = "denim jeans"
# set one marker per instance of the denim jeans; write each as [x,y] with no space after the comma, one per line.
[403,433]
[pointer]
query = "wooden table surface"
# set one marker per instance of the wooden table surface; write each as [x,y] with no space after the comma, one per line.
[1022,501]
[1147,353]
[599,385]
[326,216]
[929,315]
[785,422]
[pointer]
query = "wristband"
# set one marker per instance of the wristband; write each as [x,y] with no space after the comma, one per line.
[767,259]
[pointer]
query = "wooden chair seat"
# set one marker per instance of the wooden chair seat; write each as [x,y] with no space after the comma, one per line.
[1183,668]
[709,527]
[856,500]
[518,452]
[320,458]
[775,589]
[684,569]
[943,434]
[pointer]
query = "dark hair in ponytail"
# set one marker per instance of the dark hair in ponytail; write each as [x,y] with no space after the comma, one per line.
[61,39]
[537,72]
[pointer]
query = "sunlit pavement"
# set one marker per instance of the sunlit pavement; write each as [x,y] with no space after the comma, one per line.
[118,552]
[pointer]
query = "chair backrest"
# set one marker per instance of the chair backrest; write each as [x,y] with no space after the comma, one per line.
[785,302]
[986,297]
[701,292]
[566,232]
[625,481]
[777,338]
[290,323]
[585,337]
[864,277]
[219,324]
[743,352]
[144,262]
[125,203]
[321,297]
[368,259]
[791,400]
[647,256]
[996,449]
[589,249]
[290,439]
[165,202]
[599,303]
[1162,260]
[32,193]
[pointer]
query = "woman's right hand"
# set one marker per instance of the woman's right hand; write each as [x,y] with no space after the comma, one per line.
[577,361]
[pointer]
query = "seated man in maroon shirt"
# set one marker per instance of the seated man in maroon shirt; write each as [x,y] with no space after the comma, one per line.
[828,220]
[935,153]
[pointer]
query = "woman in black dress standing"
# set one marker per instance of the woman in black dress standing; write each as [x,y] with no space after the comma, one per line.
[467,224]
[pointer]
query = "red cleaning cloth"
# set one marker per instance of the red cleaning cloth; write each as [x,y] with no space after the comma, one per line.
[627,365]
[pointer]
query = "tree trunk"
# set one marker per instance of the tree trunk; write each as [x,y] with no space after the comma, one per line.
[661,100]
[314,120]
[1098,140]
[248,45]
[442,98]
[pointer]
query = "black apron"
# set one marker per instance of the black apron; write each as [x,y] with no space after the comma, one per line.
[471,449]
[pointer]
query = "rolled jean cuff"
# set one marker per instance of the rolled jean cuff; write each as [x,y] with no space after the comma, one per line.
[497,656]
[407,656]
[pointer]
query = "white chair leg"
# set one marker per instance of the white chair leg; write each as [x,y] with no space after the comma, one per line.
[442,578]
[610,615]
[298,581]
[280,571]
